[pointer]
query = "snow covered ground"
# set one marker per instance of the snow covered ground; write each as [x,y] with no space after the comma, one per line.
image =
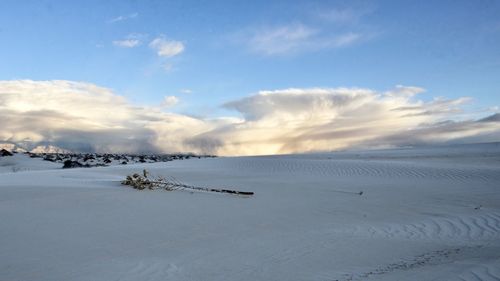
[425,214]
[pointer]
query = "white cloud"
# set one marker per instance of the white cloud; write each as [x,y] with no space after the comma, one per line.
[166,48]
[345,39]
[123,18]
[169,101]
[186,91]
[296,38]
[127,43]
[132,40]
[322,119]
[280,40]
[324,28]
[83,116]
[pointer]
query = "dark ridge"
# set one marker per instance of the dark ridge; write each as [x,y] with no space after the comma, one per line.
[5,152]
[87,160]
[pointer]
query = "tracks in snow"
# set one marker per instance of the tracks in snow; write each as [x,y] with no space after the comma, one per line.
[483,272]
[456,233]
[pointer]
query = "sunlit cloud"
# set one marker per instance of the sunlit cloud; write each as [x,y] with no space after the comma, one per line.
[322,119]
[166,48]
[85,117]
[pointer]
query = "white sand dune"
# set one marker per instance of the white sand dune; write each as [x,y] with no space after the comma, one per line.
[444,228]
[425,214]
[22,163]
[363,168]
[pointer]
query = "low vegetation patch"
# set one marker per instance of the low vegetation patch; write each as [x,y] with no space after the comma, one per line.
[144,181]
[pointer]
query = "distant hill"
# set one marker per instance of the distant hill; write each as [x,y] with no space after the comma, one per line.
[38,149]
[11,147]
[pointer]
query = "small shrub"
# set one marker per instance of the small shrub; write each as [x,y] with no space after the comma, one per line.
[139,182]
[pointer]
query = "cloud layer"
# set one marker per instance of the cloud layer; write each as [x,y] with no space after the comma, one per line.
[86,117]
[319,119]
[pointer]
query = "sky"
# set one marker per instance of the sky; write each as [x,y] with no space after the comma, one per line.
[248,77]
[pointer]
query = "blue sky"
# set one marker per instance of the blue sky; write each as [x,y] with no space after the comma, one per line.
[450,48]
[200,58]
